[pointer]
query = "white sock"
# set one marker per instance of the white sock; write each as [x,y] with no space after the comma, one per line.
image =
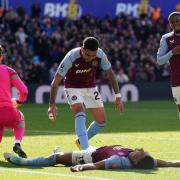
[17,141]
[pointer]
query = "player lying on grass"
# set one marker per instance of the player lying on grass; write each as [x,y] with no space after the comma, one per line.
[106,157]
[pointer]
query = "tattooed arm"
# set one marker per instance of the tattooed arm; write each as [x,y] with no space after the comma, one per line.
[112,80]
[52,110]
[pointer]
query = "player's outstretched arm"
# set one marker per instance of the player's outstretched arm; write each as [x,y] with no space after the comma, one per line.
[163,163]
[89,166]
[52,110]
[112,80]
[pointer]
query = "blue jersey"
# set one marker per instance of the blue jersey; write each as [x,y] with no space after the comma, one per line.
[77,72]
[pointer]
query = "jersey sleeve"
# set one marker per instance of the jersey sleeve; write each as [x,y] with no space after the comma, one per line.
[119,162]
[18,83]
[65,65]
[163,55]
[105,64]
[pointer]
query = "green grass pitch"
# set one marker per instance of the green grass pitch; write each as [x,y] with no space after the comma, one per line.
[153,125]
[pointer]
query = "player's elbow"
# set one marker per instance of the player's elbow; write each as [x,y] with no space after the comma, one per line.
[25,91]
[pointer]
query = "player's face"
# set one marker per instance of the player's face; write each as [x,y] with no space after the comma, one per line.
[137,155]
[174,22]
[88,55]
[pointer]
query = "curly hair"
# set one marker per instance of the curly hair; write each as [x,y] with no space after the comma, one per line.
[146,163]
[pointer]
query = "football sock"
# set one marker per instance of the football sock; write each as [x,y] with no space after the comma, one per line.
[80,128]
[17,141]
[42,161]
[18,160]
[94,128]
[19,130]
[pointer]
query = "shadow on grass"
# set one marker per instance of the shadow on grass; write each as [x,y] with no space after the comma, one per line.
[6,164]
[139,171]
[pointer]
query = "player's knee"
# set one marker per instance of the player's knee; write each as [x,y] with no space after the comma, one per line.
[101,123]
[21,124]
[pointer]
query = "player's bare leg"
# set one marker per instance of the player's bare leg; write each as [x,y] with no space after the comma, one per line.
[179,110]
[99,121]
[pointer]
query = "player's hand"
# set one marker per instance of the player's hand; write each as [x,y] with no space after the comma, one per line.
[52,112]
[176,50]
[76,168]
[16,103]
[119,105]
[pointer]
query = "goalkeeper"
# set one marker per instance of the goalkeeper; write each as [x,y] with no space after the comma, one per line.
[10,116]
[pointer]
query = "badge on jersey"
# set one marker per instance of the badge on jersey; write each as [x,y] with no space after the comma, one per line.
[94,63]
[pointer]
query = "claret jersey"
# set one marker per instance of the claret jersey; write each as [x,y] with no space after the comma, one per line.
[77,72]
[108,151]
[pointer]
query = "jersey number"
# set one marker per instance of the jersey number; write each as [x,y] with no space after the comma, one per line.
[96,93]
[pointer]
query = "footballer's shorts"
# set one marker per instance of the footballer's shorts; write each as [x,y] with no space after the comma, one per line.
[176,94]
[83,156]
[90,97]
[10,117]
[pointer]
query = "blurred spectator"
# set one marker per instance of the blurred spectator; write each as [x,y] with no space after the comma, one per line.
[72,11]
[35,45]
[143,8]
[1,11]
[52,71]
[20,12]
[155,13]
[35,10]
[178,7]
[21,36]
[122,77]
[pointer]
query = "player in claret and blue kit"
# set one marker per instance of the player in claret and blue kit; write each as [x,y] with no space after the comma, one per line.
[169,52]
[78,69]
[105,157]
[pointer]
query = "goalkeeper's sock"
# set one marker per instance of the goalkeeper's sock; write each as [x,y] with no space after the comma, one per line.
[94,128]
[80,128]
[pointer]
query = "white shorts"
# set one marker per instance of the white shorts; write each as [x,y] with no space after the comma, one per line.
[176,94]
[90,97]
[81,157]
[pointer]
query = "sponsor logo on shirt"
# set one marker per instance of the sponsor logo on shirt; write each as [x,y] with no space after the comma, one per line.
[81,71]
[171,41]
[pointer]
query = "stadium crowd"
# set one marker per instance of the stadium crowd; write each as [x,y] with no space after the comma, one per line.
[35,45]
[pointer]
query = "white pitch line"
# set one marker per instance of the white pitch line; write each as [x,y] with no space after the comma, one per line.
[119,136]
[54,174]
[47,132]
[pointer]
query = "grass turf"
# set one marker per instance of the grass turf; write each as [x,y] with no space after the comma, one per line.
[153,125]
